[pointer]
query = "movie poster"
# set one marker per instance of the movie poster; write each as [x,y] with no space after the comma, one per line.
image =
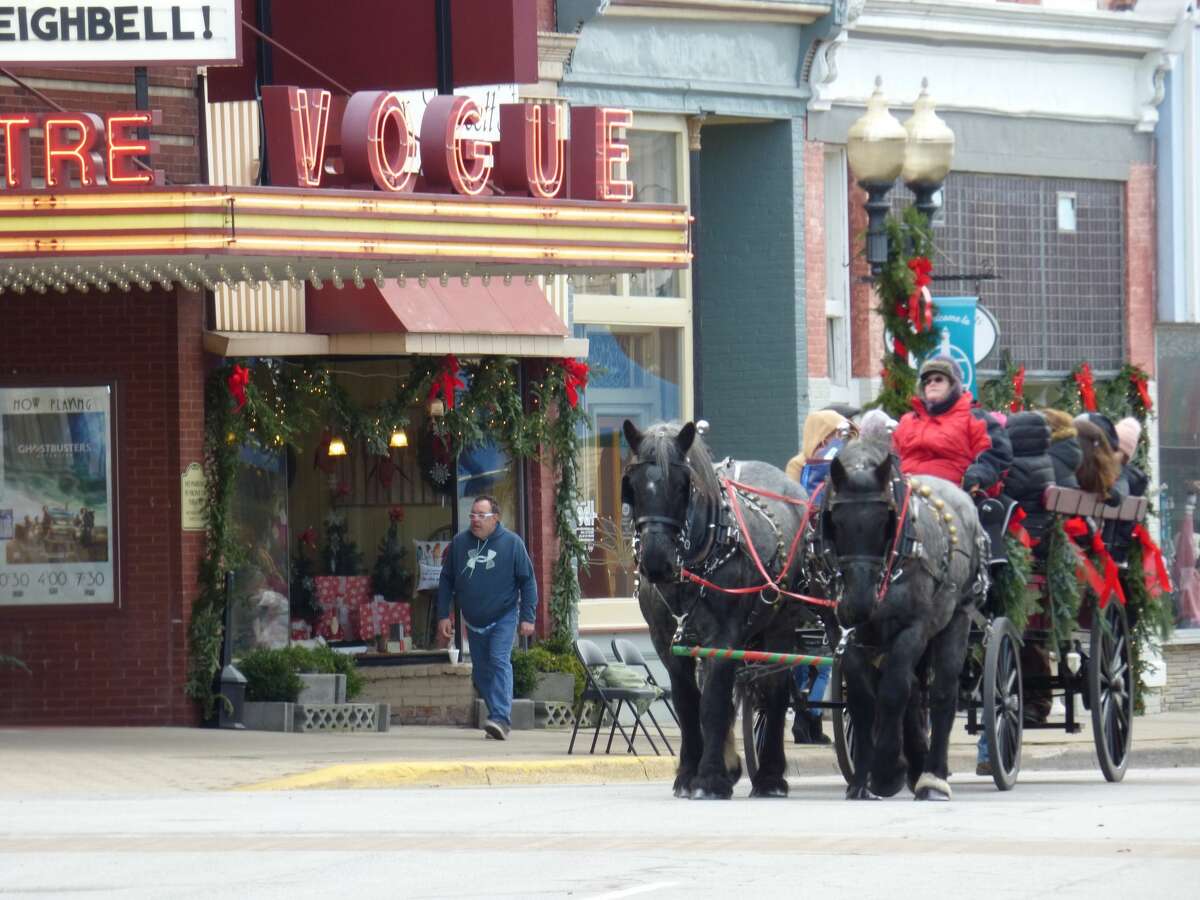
[57,535]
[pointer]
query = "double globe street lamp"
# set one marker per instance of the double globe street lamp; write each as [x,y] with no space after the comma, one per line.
[879,149]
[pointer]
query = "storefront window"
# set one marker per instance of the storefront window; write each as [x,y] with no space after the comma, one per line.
[259,608]
[1179,465]
[636,376]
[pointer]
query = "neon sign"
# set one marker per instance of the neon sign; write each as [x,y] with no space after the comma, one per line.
[374,145]
[79,149]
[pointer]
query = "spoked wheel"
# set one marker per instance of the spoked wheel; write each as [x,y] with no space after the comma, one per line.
[754,731]
[1110,690]
[843,725]
[1002,712]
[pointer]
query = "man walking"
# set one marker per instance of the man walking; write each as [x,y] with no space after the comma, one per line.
[487,571]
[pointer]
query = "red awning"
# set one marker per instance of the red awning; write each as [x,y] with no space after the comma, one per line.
[486,312]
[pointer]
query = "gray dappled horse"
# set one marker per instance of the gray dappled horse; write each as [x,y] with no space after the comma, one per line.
[911,558]
[683,518]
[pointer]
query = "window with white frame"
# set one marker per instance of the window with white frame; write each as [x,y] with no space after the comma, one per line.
[640,336]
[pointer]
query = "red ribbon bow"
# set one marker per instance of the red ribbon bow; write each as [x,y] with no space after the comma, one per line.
[447,381]
[1017,530]
[1077,528]
[1139,382]
[1018,401]
[1087,390]
[308,537]
[575,378]
[1154,569]
[919,308]
[237,385]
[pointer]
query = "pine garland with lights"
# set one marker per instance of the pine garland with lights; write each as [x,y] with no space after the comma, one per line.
[1006,393]
[276,403]
[909,239]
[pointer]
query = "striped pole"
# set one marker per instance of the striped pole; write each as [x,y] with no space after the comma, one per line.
[790,659]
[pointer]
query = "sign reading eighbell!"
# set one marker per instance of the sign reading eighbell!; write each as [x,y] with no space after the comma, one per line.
[57,523]
[73,34]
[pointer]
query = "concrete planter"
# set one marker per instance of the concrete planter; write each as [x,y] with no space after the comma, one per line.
[259,716]
[522,714]
[554,687]
[323,689]
[296,717]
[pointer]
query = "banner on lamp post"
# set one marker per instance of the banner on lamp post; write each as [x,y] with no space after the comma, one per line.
[954,322]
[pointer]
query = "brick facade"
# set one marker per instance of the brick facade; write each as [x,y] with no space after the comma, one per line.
[1182,690]
[123,664]
[1140,256]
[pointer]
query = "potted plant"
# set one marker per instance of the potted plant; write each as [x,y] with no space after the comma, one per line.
[549,673]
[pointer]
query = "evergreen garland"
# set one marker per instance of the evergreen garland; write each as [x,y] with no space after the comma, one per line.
[1011,595]
[909,237]
[1001,393]
[1151,621]
[284,401]
[1063,590]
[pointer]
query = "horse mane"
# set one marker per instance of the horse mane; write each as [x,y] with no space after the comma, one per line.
[865,453]
[658,445]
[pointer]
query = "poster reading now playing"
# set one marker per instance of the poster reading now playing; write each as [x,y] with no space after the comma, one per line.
[56,496]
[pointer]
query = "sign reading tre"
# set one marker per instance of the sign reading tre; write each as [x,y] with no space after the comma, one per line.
[95,151]
[369,141]
[33,34]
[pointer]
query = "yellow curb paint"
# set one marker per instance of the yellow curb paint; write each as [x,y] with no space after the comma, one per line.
[360,776]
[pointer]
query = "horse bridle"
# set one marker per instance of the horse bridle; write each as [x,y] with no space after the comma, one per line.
[683,540]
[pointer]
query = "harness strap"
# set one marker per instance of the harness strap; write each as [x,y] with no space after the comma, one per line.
[895,554]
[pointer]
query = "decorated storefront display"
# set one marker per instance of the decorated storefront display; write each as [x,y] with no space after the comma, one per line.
[274,404]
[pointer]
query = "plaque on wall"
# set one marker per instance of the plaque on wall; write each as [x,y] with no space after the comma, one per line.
[57,496]
[192,490]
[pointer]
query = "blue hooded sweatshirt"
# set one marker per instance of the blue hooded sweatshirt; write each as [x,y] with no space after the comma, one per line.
[485,577]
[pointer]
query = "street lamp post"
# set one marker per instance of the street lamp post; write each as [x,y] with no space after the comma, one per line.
[879,149]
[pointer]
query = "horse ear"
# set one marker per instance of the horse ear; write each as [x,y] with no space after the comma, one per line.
[685,438]
[632,435]
[838,473]
[883,471]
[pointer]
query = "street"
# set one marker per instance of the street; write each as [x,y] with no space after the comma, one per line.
[1062,834]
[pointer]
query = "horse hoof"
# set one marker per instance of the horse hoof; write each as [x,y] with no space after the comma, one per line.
[709,788]
[888,788]
[930,787]
[682,787]
[773,788]
[862,792]
[701,794]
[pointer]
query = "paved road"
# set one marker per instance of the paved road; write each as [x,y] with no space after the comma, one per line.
[1059,834]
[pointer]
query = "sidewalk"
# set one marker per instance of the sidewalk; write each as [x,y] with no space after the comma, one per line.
[41,761]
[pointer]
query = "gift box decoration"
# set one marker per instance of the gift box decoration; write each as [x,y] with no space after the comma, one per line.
[339,596]
[375,617]
[301,630]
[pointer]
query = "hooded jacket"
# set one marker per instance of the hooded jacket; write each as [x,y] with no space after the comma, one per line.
[1032,469]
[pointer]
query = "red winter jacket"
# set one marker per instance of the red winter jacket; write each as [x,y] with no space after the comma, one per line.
[944,445]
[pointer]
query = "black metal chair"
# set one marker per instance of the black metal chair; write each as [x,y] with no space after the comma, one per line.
[626,651]
[611,701]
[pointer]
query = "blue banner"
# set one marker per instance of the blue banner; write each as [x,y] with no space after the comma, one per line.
[955,324]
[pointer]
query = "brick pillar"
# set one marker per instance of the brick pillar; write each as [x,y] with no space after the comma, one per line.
[1140,256]
[188,441]
[866,328]
[815,284]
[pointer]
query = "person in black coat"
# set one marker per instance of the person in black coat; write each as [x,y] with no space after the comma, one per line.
[1031,472]
[1065,452]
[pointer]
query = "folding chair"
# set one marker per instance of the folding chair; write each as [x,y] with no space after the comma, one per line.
[611,701]
[627,652]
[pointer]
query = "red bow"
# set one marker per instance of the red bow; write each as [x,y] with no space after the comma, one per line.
[1077,528]
[1139,382]
[1112,575]
[900,350]
[396,513]
[1153,568]
[342,490]
[1087,390]
[920,304]
[237,385]
[575,378]
[385,471]
[447,381]
[1018,391]
[321,458]
[1017,530]
[308,537]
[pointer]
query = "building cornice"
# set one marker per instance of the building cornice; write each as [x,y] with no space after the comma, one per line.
[796,12]
[1009,24]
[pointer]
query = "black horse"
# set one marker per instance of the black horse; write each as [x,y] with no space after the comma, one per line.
[684,518]
[912,561]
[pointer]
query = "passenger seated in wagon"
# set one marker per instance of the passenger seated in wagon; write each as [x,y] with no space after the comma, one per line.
[1031,472]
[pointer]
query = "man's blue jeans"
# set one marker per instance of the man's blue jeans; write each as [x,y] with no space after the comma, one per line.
[491,665]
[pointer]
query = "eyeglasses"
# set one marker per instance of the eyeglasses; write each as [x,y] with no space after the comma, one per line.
[476,515]
[934,379]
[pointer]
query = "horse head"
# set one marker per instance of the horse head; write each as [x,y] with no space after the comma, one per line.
[859,521]
[668,469]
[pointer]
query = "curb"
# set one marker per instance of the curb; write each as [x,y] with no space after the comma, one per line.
[366,776]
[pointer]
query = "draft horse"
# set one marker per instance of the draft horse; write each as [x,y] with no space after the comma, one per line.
[912,561]
[698,530]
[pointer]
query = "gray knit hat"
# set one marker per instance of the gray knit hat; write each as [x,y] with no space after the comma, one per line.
[943,365]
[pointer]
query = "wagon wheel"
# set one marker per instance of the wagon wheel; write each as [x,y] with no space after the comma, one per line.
[843,726]
[1110,690]
[754,731]
[1002,704]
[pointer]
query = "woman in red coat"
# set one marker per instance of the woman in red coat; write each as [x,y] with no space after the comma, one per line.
[944,436]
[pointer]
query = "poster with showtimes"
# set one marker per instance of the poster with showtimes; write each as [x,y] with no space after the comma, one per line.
[57,523]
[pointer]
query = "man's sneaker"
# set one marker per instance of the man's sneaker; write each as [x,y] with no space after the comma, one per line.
[495,730]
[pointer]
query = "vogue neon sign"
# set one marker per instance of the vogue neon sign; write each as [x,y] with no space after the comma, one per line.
[372,144]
